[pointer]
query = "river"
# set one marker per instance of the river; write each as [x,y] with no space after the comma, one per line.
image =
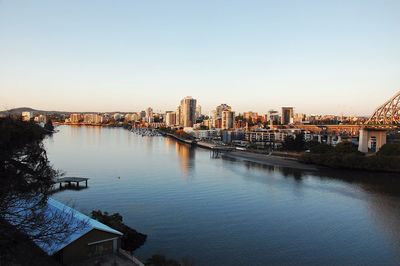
[229,212]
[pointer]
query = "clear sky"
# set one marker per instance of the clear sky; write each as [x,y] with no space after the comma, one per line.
[318,56]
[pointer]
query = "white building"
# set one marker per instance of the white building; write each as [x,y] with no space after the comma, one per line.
[92,119]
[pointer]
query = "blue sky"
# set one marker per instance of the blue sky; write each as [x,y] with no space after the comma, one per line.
[318,56]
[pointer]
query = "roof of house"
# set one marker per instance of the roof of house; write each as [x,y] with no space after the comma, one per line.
[79,223]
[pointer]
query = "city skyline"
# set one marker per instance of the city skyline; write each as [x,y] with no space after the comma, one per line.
[321,58]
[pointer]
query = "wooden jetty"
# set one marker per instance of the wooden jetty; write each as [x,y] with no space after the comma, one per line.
[71,180]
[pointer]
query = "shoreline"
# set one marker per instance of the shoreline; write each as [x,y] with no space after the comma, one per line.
[270,160]
[264,159]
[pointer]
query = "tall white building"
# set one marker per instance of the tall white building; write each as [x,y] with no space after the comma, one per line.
[228,119]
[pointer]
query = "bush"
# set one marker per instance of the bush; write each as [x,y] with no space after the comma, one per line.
[346,147]
[392,149]
[294,143]
[321,149]
[131,240]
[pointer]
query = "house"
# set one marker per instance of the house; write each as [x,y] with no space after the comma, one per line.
[89,239]
[93,239]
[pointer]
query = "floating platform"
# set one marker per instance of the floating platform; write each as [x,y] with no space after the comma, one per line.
[70,180]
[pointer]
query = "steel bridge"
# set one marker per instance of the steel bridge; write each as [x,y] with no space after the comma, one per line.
[374,132]
[387,115]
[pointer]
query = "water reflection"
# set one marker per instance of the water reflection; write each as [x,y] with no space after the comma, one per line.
[383,213]
[186,155]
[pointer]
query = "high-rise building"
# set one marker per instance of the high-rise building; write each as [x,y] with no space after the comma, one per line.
[198,111]
[299,118]
[75,118]
[228,119]
[149,114]
[187,116]
[287,115]
[273,117]
[250,116]
[216,115]
[92,119]
[222,107]
[170,119]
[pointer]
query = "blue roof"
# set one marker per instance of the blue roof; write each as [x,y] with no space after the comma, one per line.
[78,220]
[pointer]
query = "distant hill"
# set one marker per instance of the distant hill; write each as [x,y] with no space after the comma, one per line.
[19,110]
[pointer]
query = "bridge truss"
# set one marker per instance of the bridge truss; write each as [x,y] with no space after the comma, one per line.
[388,114]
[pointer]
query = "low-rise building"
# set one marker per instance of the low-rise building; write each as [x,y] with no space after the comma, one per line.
[89,239]
[26,116]
[40,119]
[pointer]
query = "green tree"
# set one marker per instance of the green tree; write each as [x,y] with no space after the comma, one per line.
[321,149]
[49,125]
[26,180]
[346,148]
[294,143]
[131,240]
[389,149]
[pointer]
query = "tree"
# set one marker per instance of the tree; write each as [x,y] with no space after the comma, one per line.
[49,126]
[26,180]
[294,143]
[346,148]
[131,240]
[389,149]
[321,148]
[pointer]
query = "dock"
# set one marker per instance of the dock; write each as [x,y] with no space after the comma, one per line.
[70,180]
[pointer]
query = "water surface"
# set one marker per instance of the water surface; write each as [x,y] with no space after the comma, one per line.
[229,212]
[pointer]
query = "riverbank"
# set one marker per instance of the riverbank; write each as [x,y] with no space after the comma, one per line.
[187,141]
[270,160]
[281,160]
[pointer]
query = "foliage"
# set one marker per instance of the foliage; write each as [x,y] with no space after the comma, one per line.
[345,148]
[346,155]
[49,126]
[392,149]
[131,240]
[296,143]
[26,180]
[182,134]
[321,149]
